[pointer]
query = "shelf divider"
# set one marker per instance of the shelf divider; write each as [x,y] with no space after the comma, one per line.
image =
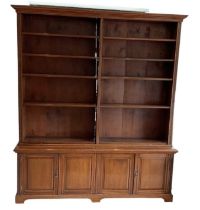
[138,39]
[139,59]
[134,106]
[59,35]
[137,78]
[58,56]
[59,76]
[52,104]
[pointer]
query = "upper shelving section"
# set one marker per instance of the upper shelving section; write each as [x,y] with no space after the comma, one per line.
[59,60]
[96,76]
[58,76]
[136,81]
[49,45]
[128,44]
[54,36]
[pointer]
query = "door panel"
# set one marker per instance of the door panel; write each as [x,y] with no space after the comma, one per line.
[40,174]
[152,173]
[78,173]
[115,173]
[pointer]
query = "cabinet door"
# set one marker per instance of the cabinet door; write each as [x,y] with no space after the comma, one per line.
[152,173]
[39,174]
[77,173]
[115,173]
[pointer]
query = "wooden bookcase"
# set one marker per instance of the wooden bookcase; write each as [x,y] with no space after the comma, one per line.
[96,100]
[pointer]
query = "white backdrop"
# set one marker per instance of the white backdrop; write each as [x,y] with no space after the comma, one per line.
[186,138]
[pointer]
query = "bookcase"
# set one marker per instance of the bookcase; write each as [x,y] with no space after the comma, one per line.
[96,101]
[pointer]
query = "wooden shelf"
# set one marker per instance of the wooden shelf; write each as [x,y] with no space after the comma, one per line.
[59,140]
[81,105]
[134,106]
[138,39]
[59,76]
[137,78]
[146,142]
[58,56]
[60,35]
[138,59]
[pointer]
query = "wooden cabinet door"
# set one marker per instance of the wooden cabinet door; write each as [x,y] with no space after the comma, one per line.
[114,173]
[152,173]
[77,173]
[39,174]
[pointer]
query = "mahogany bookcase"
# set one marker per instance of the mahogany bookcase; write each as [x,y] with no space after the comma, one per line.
[96,101]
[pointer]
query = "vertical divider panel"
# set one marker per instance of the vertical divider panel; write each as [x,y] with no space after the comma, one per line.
[178,33]
[99,81]
[20,79]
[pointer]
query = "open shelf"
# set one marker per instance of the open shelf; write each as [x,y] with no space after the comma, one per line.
[134,124]
[62,25]
[141,92]
[137,78]
[59,76]
[63,123]
[59,65]
[139,49]
[59,90]
[59,35]
[57,45]
[140,29]
[137,68]
[134,106]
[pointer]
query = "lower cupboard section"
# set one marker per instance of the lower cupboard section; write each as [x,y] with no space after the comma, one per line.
[94,176]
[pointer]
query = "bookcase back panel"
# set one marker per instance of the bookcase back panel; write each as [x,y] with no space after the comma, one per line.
[140,29]
[58,45]
[134,123]
[115,48]
[136,92]
[139,49]
[39,89]
[59,25]
[65,66]
[117,67]
[59,122]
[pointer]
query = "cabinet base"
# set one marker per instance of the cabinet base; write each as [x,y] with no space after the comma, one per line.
[94,198]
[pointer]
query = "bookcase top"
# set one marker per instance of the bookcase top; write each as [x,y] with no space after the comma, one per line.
[96,13]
